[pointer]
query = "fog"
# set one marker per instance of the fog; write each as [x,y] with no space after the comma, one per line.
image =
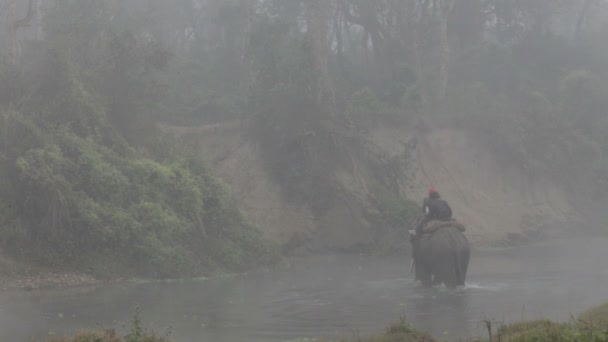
[290,144]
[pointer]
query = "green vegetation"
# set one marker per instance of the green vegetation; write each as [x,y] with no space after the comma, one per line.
[88,182]
[530,331]
[167,218]
[596,317]
[109,336]
[92,202]
[136,334]
[541,331]
[401,331]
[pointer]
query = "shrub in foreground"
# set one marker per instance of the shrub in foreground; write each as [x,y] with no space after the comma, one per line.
[596,317]
[137,334]
[108,336]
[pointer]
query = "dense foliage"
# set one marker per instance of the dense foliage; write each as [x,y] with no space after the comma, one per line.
[86,181]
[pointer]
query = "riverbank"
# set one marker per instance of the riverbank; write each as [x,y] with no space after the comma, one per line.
[16,275]
[47,280]
[591,325]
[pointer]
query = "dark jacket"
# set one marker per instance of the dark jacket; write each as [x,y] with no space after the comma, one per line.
[440,210]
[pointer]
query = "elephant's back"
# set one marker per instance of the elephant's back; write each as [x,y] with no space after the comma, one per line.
[449,239]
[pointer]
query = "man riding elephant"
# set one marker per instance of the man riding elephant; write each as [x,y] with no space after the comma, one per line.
[440,250]
[434,208]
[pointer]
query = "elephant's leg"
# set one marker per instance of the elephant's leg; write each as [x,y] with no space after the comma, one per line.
[452,284]
[447,273]
[456,273]
[463,264]
[426,280]
[445,268]
[423,273]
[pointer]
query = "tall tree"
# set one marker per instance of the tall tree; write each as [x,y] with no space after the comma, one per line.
[444,8]
[581,17]
[317,22]
[365,14]
[409,21]
[467,23]
[14,23]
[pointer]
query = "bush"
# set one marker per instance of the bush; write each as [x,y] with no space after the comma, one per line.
[547,331]
[399,332]
[70,184]
[596,317]
[137,334]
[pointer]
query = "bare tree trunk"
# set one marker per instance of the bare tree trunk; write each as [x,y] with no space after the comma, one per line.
[368,19]
[317,22]
[11,9]
[14,25]
[213,27]
[196,8]
[38,21]
[581,18]
[444,8]
[338,25]
[409,24]
[245,68]
[250,14]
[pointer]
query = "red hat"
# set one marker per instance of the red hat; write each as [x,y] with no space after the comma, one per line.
[432,189]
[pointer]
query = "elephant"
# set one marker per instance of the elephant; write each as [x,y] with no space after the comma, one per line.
[441,254]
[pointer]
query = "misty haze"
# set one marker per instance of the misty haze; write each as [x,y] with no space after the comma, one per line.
[303,170]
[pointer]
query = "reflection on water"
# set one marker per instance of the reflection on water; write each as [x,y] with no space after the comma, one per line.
[327,296]
[493,287]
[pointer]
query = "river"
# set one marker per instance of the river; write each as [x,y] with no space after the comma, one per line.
[328,296]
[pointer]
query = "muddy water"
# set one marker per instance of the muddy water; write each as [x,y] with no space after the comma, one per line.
[329,296]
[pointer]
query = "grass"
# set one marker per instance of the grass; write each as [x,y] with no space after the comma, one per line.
[596,317]
[590,326]
[92,336]
[109,336]
[400,332]
[396,332]
[546,331]
[137,334]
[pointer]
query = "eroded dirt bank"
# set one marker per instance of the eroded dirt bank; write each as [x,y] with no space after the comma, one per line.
[498,201]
